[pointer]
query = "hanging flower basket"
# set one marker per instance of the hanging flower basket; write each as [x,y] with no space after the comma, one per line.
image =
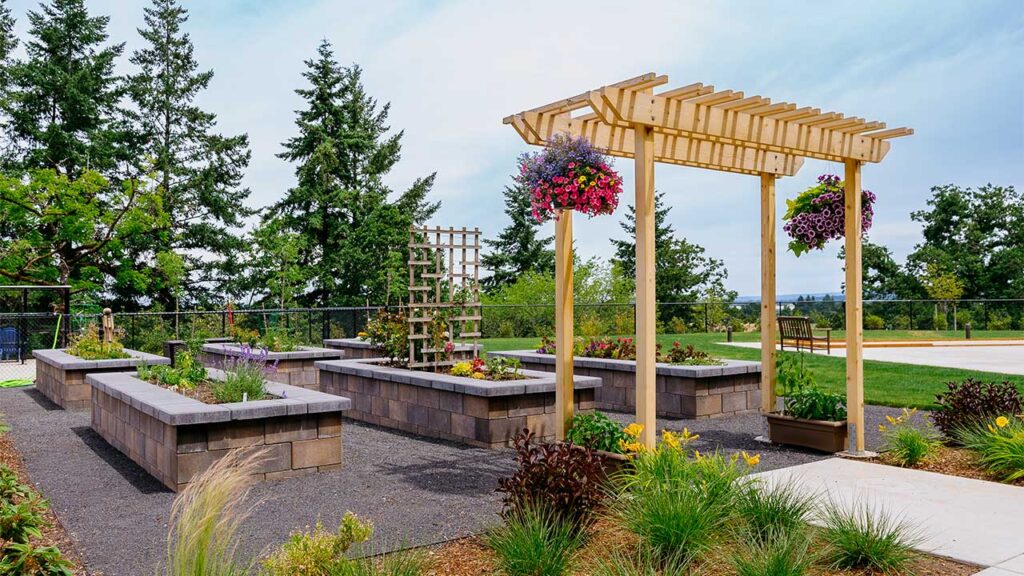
[569,174]
[818,215]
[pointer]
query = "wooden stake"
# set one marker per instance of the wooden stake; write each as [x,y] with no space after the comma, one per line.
[646,348]
[854,309]
[563,324]
[768,310]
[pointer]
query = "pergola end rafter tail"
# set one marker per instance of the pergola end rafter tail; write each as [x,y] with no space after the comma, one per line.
[698,112]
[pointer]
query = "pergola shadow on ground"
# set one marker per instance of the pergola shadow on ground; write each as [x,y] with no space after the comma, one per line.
[417,491]
[697,126]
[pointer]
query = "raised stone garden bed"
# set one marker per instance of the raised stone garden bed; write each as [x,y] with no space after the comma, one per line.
[475,412]
[356,349]
[171,347]
[294,368]
[683,391]
[61,376]
[175,438]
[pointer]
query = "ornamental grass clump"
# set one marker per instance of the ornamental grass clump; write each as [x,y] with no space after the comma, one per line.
[779,553]
[206,517]
[769,510]
[403,563]
[999,444]
[534,541]
[862,537]
[569,174]
[906,442]
[818,215]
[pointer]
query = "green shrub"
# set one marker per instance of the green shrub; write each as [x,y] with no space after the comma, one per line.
[1000,320]
[939,322]
[768,510]
[596,431]
[316,551]
[277,339]
[874,322]
[863,538]
[677,325]
[23,559]
[906,442]
[88,345]
[563,479]
[901,322]
[244,378]
[639,562]
[535,542]
[389,331]
[966,403]
[999,444]
[784,553]
[23,519]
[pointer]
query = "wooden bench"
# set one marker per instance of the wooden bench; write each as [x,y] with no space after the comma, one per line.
[797,330]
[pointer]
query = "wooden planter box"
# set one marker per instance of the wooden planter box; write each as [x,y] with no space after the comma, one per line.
[474,412]
[61,376]
[682,391]
[294,368]
[175,438]
[356,349]
[818,435]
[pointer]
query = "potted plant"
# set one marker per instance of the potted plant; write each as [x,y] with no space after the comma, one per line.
[810,417]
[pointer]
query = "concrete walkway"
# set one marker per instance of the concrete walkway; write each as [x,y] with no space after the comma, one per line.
[969,520]
[999,358]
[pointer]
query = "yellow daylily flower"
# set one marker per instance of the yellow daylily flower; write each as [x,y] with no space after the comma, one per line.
[671,440]
[751,460]
[634,430]
[687,437]
[1002,421]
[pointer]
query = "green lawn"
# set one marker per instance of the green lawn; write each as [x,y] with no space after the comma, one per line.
[885,383]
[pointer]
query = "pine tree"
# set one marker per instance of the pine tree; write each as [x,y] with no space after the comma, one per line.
[518,248]
[8,42]
[64,105]
[355,235]
[684,273]
[199,171]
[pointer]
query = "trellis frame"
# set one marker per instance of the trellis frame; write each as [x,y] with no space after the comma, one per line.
[435,286]
[698,126]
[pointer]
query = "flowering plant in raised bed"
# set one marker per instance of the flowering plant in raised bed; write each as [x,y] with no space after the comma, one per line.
[569,174]
[818,214]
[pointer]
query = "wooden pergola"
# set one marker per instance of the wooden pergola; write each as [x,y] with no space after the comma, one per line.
[698,126]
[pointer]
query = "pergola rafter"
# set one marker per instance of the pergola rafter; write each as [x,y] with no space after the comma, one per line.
[697,126]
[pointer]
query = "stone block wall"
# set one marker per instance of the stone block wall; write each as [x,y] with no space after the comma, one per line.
[177,444]
[61,376]
[682,391]
[442,409]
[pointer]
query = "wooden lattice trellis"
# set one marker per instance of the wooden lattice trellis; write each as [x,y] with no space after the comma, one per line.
[444,286]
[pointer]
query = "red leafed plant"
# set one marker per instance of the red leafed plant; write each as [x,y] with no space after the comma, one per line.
[562,478]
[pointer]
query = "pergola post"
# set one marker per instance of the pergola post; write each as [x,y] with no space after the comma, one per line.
[854,309]
[563,324]
[768,311]
[646,345]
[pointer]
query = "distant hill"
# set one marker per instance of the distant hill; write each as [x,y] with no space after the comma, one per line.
[836,296]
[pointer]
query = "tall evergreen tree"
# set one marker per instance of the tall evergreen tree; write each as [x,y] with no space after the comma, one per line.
[8,42]
[199,171]
[684,272]
[65,101]
[518,248]
[355,234]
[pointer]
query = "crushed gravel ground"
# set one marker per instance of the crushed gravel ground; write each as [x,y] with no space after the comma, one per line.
[416,491]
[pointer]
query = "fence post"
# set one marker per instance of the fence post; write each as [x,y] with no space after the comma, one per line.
[67,310]
[706,327]
[23,336]
[910,304]
[224,323]
[309,325]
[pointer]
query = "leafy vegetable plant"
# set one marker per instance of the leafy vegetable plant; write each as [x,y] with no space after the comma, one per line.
[596,431]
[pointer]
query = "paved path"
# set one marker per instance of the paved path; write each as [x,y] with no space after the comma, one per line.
[999,358]
[968,520]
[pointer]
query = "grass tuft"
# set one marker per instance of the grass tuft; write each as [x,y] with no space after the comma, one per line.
[206,517]
[1000,449]
[534,542]
[776,553]
[863,537]
[404,563]
[769,510]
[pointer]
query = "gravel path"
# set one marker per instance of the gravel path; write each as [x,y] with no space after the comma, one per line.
[415,491]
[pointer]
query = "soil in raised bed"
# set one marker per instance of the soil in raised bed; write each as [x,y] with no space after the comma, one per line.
[953,461]
[471,557]
[54,533]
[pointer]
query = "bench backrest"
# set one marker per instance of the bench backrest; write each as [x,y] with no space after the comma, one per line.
[795,327]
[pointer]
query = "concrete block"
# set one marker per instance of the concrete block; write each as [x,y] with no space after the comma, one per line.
[320,452]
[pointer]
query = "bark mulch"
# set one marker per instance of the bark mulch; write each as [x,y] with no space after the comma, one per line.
[54,533]
[953,461]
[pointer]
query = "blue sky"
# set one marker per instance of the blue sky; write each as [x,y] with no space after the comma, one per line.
[951,70]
